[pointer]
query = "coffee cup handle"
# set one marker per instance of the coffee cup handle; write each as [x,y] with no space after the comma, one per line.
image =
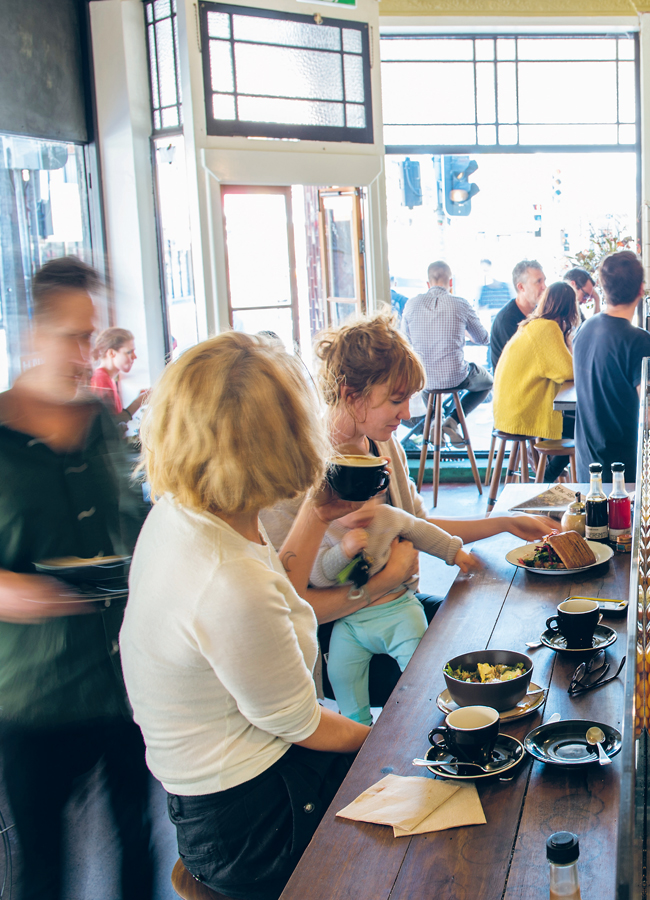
[383,484]
[555,630]
[444,731]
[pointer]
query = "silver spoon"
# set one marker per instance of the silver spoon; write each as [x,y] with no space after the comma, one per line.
[595,736]
[428,762]
[534,644]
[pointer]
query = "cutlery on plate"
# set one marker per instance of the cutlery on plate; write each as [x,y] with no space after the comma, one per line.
[595,737]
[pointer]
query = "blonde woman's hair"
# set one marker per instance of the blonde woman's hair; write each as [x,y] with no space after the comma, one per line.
[232,426]
[366,353]
[110,339]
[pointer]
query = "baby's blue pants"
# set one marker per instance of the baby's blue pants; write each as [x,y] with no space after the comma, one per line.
[395,628]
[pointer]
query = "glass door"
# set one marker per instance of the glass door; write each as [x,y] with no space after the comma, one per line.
[260,255]
[342,253]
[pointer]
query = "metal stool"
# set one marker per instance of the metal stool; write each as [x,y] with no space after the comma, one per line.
[437,439]
[520,444]
[563,447]
[189,888]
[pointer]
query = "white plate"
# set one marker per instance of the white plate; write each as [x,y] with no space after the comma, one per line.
[602,552]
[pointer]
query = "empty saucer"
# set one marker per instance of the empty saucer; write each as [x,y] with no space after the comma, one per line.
[507,753]
[604,636]
[564,743]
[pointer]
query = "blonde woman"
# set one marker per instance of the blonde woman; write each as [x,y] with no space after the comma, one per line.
[218,646]
[114,349]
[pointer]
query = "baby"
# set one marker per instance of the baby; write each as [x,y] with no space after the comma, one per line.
[394,627]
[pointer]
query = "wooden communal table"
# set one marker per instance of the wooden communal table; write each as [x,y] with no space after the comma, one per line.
[565,399]
[500,608]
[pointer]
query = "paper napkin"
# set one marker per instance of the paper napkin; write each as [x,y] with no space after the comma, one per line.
[416,805]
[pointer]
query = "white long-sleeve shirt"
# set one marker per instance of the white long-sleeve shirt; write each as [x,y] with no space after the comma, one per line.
[218,651]
[388,523]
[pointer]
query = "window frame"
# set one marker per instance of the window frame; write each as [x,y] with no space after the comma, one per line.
[473,149]
[246,128]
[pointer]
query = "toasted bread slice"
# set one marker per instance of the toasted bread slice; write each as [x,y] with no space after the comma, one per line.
[572,549]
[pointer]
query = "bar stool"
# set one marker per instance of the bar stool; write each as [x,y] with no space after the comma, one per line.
[563,447]
[519,450]
[437,440]
[189,888]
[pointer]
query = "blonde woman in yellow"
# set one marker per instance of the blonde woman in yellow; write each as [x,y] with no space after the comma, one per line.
[218,644]
[534,364]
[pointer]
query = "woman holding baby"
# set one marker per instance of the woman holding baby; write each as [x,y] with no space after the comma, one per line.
[219,642]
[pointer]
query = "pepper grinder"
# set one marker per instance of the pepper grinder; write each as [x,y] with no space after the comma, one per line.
[575,517]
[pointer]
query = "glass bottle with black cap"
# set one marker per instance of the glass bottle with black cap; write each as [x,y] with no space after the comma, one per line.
[562,852]
[596,507]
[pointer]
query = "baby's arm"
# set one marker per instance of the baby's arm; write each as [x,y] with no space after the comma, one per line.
[427,537]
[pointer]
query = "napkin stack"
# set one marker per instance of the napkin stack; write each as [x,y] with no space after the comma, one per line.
[417,805]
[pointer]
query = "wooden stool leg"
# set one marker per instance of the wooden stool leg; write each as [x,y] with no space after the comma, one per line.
[511,471]
[534,455]
[488,471]
[496,476]
[572,467]
[437,441]
[425,442]
[523,461]
[470,451]
[541,466]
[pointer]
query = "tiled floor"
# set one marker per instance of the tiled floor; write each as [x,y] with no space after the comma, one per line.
[92,867]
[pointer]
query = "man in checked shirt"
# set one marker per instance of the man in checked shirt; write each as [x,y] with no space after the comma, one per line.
[436,324]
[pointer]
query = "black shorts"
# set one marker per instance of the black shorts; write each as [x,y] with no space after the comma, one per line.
[246,841]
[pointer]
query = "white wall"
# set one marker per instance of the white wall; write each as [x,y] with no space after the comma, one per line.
[124,126]
[238,160]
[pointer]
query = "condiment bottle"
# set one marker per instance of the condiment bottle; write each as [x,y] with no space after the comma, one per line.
[596,507]
[574,519]
[562,852]
[619,507]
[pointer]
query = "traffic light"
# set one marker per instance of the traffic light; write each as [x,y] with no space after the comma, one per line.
[411,187]
[537,217]
[458,190]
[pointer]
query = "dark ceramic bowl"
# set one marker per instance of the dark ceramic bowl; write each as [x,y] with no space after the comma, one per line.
[500,696]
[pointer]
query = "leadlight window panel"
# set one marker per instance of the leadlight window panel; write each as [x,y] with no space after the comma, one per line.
[428,104]
[274,74]
[573,90]
[164,68]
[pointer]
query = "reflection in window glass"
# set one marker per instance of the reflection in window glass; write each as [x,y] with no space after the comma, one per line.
[43,215]
[176,248]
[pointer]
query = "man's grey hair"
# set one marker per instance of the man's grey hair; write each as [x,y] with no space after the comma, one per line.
[520,270]
[438,271]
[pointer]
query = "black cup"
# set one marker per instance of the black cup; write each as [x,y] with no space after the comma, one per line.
[576,621]
[358,477]
[470,733]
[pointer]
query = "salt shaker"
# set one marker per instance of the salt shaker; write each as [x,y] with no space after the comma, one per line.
[575,517]
[562,852]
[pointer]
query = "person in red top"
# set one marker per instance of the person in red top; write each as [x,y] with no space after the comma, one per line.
[115,350]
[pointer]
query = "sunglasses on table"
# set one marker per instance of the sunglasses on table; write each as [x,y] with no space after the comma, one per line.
[592,674]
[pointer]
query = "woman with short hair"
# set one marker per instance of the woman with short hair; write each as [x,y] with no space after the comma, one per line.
[534,364]
[218,646]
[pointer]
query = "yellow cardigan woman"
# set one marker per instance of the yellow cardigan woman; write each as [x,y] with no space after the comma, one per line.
[534,364]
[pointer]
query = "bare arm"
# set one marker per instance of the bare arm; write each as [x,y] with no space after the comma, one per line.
[336,734]
[32,598]
[530,528]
